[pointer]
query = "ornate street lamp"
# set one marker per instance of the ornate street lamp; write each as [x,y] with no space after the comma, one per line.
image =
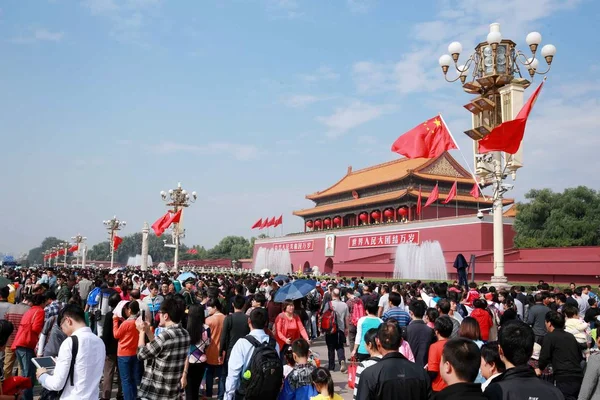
[78,240]
[497,82]
[113,225]
[179,199]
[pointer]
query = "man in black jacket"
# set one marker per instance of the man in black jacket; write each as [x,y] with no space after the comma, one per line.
[459,369]
[418,334]
[515,344]
[235,326]
[394,375]
[560,349]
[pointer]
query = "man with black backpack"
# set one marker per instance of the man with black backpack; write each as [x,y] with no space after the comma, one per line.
[255,371]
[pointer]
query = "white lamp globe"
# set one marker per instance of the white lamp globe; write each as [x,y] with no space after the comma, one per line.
[548,50]
[533,38]
[494,37]
[455,48]
[462,70]
[532,63]
[445,60]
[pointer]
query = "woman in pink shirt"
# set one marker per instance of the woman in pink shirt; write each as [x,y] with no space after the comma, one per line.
[288,327]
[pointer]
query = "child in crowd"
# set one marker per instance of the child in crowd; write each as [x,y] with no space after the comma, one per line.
[323,382]
[298,385]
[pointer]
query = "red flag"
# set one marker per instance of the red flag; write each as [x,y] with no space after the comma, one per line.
[257,224]
[433,196]
[163,223]
[192,251]
[264,223]
[475,191]
[419,202]
[271,222]
[278,221]
[427,140]
[61,252]
[507,136]
[157,226]
[451,194]
[73,248]
[117,242]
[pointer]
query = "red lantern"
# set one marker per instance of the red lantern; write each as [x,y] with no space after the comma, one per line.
[318,223]
[363,217]
[388,213]
[327,222]
[337,220]
[375,215]
[402,211]
[309,224]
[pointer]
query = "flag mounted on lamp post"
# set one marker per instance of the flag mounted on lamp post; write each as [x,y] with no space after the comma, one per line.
[507,136]
[427,140]
[117,242]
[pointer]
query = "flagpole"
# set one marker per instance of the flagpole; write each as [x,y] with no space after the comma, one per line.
[437,203]
[462,154]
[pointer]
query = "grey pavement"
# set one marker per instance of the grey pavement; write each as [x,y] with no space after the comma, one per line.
[340,380]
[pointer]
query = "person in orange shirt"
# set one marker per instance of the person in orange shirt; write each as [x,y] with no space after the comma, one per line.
[213,358]
[127,335]
[288,327]
[443,330]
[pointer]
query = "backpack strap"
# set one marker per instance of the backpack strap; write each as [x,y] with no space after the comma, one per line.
[74,351]
[254,341]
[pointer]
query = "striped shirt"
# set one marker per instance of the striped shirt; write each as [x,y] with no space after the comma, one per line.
[360,368]
[397,313]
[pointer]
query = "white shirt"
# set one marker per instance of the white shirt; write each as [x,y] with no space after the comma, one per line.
[384,302]
[488,381]
[240,359]
[89,366]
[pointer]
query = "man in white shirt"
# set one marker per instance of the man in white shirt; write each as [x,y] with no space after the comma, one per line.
[384,303]
[89,361]
[492,365]
[241,353]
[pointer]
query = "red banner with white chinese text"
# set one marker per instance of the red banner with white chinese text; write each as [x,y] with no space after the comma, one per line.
[300,245]
[383,240]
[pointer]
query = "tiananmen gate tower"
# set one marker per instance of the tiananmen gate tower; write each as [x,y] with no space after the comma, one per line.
[357,223]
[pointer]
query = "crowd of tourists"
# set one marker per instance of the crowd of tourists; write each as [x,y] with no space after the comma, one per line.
[153,336]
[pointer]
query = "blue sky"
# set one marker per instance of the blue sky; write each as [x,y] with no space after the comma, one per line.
[253,103]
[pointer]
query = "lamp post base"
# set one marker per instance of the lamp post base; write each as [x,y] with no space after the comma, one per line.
[499,282]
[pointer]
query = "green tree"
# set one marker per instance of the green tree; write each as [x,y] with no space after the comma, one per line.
[550,219]
[233,247]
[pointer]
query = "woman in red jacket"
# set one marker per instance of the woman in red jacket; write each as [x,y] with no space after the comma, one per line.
[483,317]
[128,335]
[288,327]
[27,338]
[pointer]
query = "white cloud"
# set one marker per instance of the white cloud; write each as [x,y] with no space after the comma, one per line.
[39,35]
[417,70]
[300,100]
[323,73]
[303,100]
[46,35]
[345,118]
[284,9]
[129,19]
[241,152]
[360,6]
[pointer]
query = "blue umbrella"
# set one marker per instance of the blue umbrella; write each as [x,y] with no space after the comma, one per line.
[294,290]
[185,275]
[282,278]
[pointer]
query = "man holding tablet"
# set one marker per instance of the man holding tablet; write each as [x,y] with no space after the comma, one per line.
[78,378]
